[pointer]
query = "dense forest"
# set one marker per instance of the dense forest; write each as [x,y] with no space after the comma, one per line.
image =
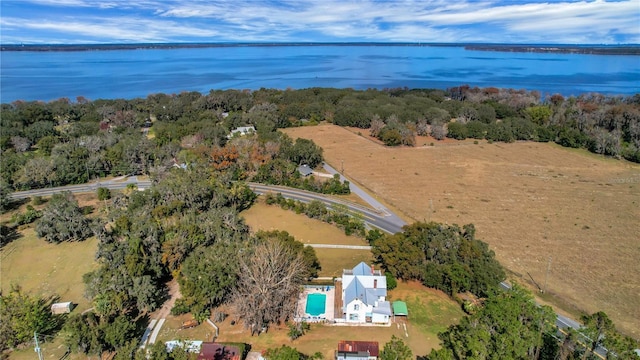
[65,142]
[62,143]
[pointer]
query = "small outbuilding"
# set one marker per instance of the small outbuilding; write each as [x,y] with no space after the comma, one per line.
[400,308]
[357,350]
[61,308]
[305,170]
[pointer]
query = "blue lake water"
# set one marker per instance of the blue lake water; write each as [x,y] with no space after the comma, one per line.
[138,73]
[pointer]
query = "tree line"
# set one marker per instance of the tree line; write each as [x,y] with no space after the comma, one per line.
[507,324]
[64,142]
[60,143]
[444,257]
[510,325]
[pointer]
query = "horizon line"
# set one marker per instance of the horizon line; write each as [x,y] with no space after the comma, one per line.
[320,43]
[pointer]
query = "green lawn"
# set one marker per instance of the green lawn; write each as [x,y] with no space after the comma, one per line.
[333,261]
[48,269]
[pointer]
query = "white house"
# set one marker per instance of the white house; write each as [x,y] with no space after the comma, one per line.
[242,131]
[363,295]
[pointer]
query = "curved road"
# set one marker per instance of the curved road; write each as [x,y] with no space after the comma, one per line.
[381,218]
[373,218]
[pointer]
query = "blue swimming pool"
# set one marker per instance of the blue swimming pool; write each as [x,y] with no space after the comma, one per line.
[316,304]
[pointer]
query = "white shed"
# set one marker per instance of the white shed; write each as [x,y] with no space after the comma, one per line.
[62,308]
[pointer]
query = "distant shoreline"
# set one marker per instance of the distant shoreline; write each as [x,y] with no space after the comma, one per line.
[561,49]
[536,48]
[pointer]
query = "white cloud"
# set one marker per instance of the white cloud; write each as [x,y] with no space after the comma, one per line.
[341,19]
[118,29]
[368,20]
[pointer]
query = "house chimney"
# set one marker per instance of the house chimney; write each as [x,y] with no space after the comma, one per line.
[375,283]
[372,271]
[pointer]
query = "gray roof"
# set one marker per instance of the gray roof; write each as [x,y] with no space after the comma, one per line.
[384,307]
[362,269]
[305,170]
[356,290]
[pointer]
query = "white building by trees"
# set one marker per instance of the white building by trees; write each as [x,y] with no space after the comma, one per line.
[363,295]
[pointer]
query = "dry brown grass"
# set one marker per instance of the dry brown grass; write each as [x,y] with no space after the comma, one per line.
[309,231]
[529,201]
[47,269]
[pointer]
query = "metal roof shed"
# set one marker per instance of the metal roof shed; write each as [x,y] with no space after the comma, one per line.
[400,308]
[305,170]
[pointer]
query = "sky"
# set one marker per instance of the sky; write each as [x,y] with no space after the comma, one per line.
[439,21]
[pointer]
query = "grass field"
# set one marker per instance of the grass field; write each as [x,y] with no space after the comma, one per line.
[46,269]
[43,268]
[333,261]
[430,311]
[539,206]
[309,231]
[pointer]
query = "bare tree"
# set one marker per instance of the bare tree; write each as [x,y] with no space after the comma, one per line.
[376,125]
[408,136]
[422,127]
[439,132]
[20,144]
[269,285]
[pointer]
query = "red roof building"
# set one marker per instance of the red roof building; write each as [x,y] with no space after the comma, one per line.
[357,350]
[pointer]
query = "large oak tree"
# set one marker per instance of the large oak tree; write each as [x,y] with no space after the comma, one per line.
[272,273]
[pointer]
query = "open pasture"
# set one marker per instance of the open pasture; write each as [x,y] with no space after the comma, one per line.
[542,208]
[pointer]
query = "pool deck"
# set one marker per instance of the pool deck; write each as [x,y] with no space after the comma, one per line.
[328,306]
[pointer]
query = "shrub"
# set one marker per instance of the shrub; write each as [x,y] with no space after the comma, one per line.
[457,131]
[391,137]
[27,217]
[104,194]
[180,307]
[392,283]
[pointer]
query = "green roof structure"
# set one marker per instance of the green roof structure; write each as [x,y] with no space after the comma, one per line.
[400,308]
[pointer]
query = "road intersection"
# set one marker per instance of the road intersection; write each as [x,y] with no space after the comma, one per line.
[379,216]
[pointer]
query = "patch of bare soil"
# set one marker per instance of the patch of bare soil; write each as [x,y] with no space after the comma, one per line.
[565,219]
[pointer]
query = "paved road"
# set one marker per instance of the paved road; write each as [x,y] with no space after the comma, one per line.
[380,217]
[392,218]
[113,184]
[371,217]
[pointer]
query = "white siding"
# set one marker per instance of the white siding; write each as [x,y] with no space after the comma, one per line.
[356,311]
[380,318]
